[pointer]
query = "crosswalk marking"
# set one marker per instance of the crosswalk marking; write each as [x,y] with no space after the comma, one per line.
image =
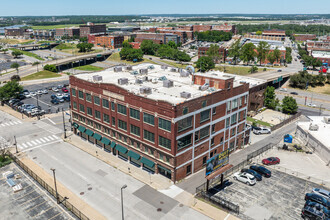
[46,139]
[24,145]
[32,144]
[39,142]
[10,123]
[3,125]
[42,140]
[55,136]
[6,124]
[50,137]
[28,143]
[15,122]
[19,122]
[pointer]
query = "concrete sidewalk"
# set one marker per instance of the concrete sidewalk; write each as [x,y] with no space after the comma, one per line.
[156,181]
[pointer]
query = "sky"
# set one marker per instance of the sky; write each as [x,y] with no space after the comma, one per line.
[138,7]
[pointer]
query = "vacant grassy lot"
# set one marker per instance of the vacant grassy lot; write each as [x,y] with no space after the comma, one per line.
[49,27]
[116,58]
[13,41]
[28,54]
[239,70]
[40,75]
[89,68]
[258,122]
[65,46]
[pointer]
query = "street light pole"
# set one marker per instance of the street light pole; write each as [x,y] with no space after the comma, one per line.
[122,202]
[57,199]
[320,109]
[15,143]
[63,124]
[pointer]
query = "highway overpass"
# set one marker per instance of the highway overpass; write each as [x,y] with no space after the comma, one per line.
[35,46]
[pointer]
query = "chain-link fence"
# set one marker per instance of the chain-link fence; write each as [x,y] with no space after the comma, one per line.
[286,121]
[47,187]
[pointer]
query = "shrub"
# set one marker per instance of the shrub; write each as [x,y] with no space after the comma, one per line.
[51,68]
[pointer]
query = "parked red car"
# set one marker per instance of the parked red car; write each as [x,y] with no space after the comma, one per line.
[271,161]
[65,90]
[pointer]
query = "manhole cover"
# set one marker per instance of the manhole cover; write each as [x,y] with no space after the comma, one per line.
[159,210]
[161,202]
[35,135]
[90,188]
[181,205]
[82,193]
[34,158]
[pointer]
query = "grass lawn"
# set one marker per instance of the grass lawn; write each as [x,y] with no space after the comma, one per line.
[40,75]
[28,54]
[320,89]
[48,27]
[239,70]
[258,122]
[5,161]
[27,42]
[65,46]
[13,41]
[89,68]
[116,58]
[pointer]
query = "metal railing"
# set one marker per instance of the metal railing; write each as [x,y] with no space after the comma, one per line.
[259,151]
[217,200]
[47,187]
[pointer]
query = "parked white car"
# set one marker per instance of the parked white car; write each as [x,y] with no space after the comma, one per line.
[33,94]
[261,130]
[322,192]
[55,89]
[59,96]
[311,105]
[245,178]
[283,89]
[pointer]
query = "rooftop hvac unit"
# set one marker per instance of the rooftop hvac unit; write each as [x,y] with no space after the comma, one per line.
[185,95]
[162,78]
[154,80]
[143,71]
[97,78]
[118,69]
[313,127]
[145,78]
[151,67]
[135,72]
[138,81]
[122,81]
[173,70]
[145,90]
[164,67]
[168,83]
[204,87]
[129,68]
[184,73]
[327,120]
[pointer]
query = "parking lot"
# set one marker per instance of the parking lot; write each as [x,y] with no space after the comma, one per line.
[44,100]
[279,197]
[29,203]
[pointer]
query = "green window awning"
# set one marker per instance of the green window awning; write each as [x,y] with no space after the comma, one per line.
[134,155]
[147,162]
[164,168]
[105,141]
[89,132]
[121,149]
[97,136]
[82,128]
[113,144]
[74,124]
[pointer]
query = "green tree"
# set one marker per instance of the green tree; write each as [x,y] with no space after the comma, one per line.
[135,54]
[84,47]
[83,39]
[262,51]
[149,47]
[16,53]
[259,33]
[51,68]
[172,44]
[277,54]
[248,53]
[15,78]
[205,64]
[4,51]
[11,89]
[289,105]
[124,53]
[126,44]
[213,52]
[15,66]
[235,51]
[253,69]
[271,57]
[270,98]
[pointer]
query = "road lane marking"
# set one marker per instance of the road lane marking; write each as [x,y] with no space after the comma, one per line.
[24,145]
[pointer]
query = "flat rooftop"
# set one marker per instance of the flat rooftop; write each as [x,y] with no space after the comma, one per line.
[155,78]
[321,54]
[323,129]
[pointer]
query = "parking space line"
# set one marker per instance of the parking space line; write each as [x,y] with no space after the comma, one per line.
[30,200]
[36,206]
[43,212]
[26,194]
[55,216]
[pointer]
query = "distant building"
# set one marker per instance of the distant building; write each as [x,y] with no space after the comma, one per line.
[184,35]
[200,28]
[202,51]
[15,32]
[304,37]
[91,28]
[262,37]
[323,56]
[68,32]
[158,38]
[91,37]
[274,33]
[317,46]
[43,34]
[135,45]
[111,42]
[225,27]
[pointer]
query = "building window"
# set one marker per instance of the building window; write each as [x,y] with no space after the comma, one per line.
[81,94]
[88,97]
[234,104]
[74,92]
[89,111]
[97,114]
[244,114]
[188,169]
[121,109]
[147,118]
[232,131]
[204,132]
[204,104]
[185,110]
[105,103]
[239,115]
[233,119]
[164,124]
[214,110]
[211,154]
[122,125]
[149,136]
[227,122]
[228,106]
[96,100]
[113,106]
[164,142]
[212,141]
[98,126]
[213,129]
[75,105]
[81,108]
[205,115]
[240,101]
[184,141]
[185,124]
[245,99]
[135,130]
[204,160]
[113,121]
[106,118]
[134,113]
[221,140]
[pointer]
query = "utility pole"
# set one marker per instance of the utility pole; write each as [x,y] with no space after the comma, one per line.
[15,143]
[63,124]
[57,199]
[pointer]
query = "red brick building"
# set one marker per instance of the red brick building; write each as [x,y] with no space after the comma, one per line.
[274,33]
[69,32]
[158,38]
[304,37]
[158,120]
[184,35]
[200,28]
[317,46]
[135,45]
[202,51]
[15,32]
[111,42]
[225,28]
[91,28]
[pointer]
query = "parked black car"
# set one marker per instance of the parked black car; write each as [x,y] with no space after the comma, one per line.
[252,172]
[318,206]
[317,198]
[261,170]
[309,212]
[293,93]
